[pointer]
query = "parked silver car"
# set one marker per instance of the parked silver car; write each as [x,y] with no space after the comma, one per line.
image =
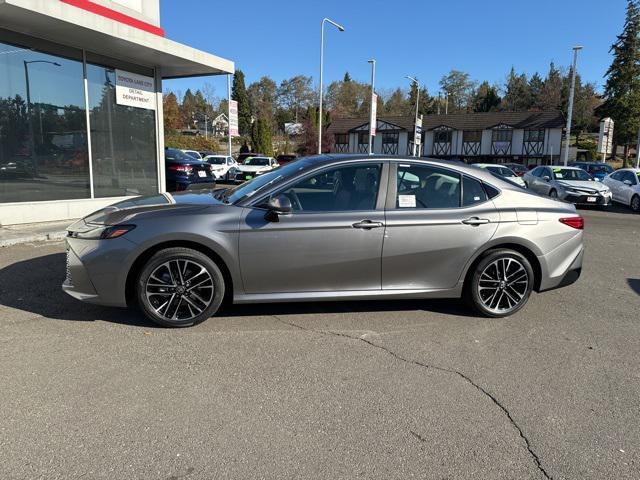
[625,187]
[328,228]
[571,184]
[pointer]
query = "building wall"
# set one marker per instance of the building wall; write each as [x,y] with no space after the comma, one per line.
[145,10]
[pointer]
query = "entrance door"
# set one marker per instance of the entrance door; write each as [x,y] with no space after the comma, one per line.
[331,241]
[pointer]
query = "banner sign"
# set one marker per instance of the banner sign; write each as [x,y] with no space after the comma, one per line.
[135,90]
[417,133]
[605,139]
[373,121]
[233,119]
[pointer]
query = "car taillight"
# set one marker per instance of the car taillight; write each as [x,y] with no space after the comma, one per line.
[181,168]
[573,222]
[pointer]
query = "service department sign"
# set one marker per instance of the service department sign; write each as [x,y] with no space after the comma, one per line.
[135,90]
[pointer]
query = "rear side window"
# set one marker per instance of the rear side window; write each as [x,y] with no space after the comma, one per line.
[472,192]
[422,186]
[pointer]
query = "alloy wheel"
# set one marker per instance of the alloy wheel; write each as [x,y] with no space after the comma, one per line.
[503,285]
[635,203]
[179,289]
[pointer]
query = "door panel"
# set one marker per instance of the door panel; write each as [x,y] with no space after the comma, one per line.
[310,252]
[426,243]
[429,248]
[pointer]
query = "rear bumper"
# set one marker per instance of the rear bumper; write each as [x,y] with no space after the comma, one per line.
[562,266]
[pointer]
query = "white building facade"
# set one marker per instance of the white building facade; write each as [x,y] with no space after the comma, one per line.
[81,122]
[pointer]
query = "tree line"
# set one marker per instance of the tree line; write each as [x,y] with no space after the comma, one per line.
[264,106]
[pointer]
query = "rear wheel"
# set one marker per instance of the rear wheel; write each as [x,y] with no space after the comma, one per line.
[179,287]
[553,194]
[635,203]
[500,284]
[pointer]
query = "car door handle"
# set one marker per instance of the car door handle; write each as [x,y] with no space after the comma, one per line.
[475,221]
[367,224]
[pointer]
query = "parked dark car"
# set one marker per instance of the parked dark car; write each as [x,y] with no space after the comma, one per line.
[597,170]
[285,158]
[517,168]
[182,171]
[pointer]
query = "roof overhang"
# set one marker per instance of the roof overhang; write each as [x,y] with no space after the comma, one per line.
[66,24]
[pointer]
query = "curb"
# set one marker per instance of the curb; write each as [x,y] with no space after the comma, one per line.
[41,237]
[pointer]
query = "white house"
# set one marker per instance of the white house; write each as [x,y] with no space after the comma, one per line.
[498,137]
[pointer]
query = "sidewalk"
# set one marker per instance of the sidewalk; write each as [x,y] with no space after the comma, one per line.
[33,232]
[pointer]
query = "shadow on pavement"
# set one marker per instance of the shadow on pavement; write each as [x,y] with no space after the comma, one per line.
[613,208]
[634,283]
[35,286]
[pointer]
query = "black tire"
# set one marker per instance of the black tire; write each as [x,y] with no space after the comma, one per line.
[635,203]
[508,292]
[553,193]
[187,298]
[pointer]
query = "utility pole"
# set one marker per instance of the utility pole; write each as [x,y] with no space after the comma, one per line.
[229,112]
[638,151]
[415,125]
[572,92]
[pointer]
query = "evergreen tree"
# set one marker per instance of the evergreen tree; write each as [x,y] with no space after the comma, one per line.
[517,95]
[239,94]
[486,98]
[622,89]
[171,111]
[536,84]
[261,137]
[551,95]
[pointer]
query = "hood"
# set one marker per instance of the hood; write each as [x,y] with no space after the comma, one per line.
[129,209]
[253,168]
[583,184]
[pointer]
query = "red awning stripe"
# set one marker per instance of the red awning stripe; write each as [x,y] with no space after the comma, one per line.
[103,11]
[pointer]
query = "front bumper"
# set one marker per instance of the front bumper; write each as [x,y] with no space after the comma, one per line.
[588,199]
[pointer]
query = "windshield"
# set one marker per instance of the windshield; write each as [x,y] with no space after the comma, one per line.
[216,160]
[571,174]
[171,154]
[259,161]
[195,155]
[502,171]
[250,188]
[602,169]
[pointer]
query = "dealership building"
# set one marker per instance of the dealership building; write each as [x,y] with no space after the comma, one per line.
[81,122]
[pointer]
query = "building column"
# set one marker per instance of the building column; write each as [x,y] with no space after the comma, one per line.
[159,133]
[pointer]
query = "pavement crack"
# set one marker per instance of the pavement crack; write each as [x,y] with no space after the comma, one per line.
[467,379]
[418,436]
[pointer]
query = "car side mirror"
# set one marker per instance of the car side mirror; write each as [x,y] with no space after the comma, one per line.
[627,182]
[276,206]
[546,178]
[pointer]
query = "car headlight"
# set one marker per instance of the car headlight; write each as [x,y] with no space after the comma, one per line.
[103,232]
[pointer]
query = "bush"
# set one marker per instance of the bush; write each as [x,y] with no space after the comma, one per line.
[197,142]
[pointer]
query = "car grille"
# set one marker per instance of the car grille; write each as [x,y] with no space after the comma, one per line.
[68,270]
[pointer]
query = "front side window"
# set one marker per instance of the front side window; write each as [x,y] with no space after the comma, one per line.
[631,177]
[43,126]
[424,186]
[339,189]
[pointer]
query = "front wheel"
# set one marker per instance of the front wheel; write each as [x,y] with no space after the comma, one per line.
[500,284]
[553,194]
[635,203]
[179,287]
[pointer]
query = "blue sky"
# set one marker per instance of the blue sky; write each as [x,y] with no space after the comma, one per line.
[421,38]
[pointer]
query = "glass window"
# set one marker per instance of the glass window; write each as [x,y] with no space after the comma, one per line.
[442,136]
[537,172]
[472,136]
[123,140]
[617,176]
[43,139]
[629,176]
[337,189]
[570,174]
[422,186]
[502,135]
[534,135]
[472,192]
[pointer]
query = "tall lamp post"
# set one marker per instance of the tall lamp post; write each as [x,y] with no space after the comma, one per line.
[31,134]
[372,116]
[572,92]
[341,29]
[417,84]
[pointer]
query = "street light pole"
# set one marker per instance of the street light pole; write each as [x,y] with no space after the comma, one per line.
[572,92]
[372,118]
[341,29]
[417,84]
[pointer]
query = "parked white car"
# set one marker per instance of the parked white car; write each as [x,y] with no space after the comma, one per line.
[222,166]
[502,172]
[193,154]
[254,166]
[625,187]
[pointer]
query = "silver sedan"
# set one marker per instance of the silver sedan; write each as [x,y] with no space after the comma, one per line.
[328,228]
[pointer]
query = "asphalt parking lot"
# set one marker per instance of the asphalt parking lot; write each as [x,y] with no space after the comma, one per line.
[328,390]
